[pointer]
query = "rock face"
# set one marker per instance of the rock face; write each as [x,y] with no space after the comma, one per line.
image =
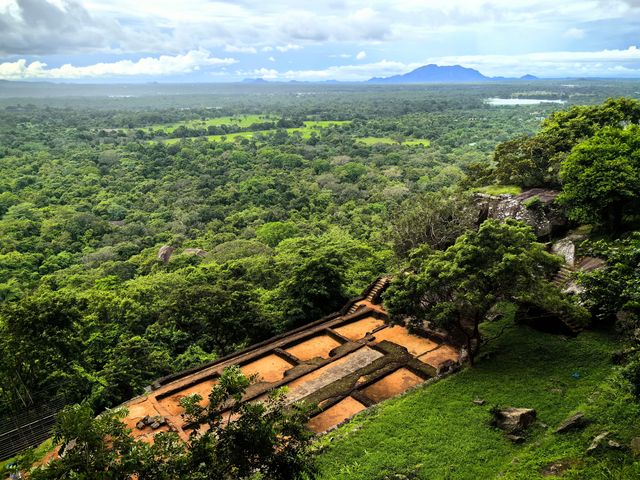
[535,207]
[574,422]
[565,248]
[164,254]
[514,419]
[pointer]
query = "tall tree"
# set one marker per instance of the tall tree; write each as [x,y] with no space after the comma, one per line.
[601,177]
[455,289]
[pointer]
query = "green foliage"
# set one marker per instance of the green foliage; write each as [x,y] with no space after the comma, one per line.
[273,233]
[601,177]
[456,288]
[536,161]
[435,219]
[266,440]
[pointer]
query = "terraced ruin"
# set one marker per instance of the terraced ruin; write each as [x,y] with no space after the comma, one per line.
[343,363]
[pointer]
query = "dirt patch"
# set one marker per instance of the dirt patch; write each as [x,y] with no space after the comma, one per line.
[557,468]
[269,369]
[172,403]
[401,336]
[319,346]
[393,384]
[360,328]
[436,357]
[337,413]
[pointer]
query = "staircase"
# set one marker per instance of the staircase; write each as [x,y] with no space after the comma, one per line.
[373,295]
[563,276]
[560,280]
[378,287]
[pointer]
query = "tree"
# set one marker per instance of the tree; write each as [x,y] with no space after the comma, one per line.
[536,161]
[230,440]
[455,289]
[91,447]
[525,161]
[434,219]
[266,440]
[601,177]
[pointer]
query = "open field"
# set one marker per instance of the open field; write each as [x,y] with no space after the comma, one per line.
[241,121]
[436,432]
[310,127]
[391,141]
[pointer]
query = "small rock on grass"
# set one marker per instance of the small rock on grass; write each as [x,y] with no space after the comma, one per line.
[479,401]
[574,422]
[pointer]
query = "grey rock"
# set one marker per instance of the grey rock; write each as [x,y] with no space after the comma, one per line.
[514,419]
[164,254]
[155,425]
[479,401]
[597,441]
[140,425]
[545,219]
[565,248]
[574,422]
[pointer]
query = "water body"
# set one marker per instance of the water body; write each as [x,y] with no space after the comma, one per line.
[520,101]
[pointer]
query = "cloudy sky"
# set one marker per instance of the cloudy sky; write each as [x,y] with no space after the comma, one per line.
[213,41]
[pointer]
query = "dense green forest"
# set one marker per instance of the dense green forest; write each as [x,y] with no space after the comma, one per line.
[269,232]
[139,238]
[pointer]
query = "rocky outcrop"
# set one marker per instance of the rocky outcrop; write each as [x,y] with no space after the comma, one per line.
[164,254]
[535,207]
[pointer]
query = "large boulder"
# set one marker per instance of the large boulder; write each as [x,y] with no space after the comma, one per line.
[514,419]
[535,207]
[164,254]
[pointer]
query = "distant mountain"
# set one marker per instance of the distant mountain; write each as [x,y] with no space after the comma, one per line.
[254,80]
[529,77]
[442,74]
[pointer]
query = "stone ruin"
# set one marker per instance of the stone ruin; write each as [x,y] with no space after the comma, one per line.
[343,363]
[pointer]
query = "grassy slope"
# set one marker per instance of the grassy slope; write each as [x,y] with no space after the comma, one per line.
[436,432]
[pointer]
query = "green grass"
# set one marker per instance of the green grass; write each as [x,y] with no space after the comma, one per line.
[436,432]
[377,140]
[500,189]
[241,121]
[306,131]
[391,141]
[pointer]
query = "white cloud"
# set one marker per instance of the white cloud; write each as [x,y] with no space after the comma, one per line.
[240,49]
[361,55]
[552,64]
[149,66]
[287,47]
[271,59]
[339,72]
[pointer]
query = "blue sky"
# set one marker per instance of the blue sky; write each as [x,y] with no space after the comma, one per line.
[214,41]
